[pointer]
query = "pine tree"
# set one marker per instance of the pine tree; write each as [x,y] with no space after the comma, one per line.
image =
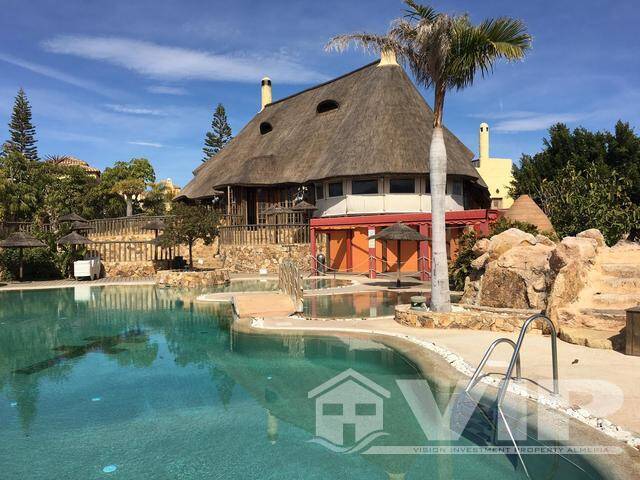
[219,135]
[23,133]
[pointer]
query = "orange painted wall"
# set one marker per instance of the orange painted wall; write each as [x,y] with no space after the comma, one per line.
[338,249]
[360,250]
[408,256]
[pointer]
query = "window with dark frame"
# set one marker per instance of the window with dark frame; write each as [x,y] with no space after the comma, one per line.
[364,187]
[335,189]
[402,185]
[427,186]
[319,191]
[456,187]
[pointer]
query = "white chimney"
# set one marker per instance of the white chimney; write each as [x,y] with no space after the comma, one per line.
[266,92]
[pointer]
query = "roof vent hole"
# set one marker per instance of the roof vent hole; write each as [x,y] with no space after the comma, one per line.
[265,127]
[327,106]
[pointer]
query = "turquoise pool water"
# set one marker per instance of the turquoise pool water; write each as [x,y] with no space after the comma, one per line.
[356,305]
[269,285]
[140,383]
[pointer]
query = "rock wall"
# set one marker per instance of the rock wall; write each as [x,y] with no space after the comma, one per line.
[128,269]
[194,279]
[474,319]
[252,258]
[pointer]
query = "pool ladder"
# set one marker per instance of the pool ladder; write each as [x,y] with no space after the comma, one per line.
[515,363]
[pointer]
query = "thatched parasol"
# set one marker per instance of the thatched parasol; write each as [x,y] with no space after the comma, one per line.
[73,238]
[21,240]
[400,233]
[77,225]
[71,217]
[524,209]
[155,224]
[303,207]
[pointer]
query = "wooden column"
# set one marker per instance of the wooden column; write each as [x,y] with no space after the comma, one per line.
[424,253]
[314,262]
[349,251]
[372,252]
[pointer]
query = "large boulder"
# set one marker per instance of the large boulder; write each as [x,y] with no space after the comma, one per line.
[501,243]
[594,234]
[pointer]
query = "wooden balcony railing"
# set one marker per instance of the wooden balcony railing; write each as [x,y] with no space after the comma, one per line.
[132,251]
[265,234]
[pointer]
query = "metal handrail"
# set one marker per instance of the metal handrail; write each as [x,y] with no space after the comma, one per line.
[487,354]
[516,355]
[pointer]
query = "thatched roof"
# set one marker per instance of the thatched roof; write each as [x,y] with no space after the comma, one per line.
[382,126]
[303,206]
[71,217]
[399,231]
[524,209]
[69,161]
[21,240]
[73,238]
[155,224]
[82,226]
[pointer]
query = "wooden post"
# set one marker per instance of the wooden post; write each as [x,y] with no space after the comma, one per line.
[314,264]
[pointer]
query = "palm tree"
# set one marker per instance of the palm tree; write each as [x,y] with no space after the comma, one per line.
[444,52]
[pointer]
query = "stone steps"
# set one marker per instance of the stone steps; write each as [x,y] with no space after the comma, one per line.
[624,270]
[611,320]
[618,301]
[604,339]
[621,285]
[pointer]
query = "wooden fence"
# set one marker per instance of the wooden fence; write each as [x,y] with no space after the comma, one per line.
[132,251]
[290,282]
[123,225]
[265,234]
[6,228]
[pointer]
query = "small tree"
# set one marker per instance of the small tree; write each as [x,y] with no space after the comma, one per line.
[131,189]
[23,133]
[577,200]
[19,186]
[219,135]
[190,223]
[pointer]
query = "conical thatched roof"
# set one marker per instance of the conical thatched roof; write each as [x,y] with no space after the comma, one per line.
[382,126]
[277,209]
[303,206]
[155,224]
[21,240]
[71,217]
[73,238]
[399,231]
[524,209]
[81,226]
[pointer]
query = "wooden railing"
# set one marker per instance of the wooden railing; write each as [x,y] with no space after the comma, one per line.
[122,225]
[265,234]
[132,251]
[290,282]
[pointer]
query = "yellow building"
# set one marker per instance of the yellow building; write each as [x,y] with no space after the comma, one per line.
[496,172]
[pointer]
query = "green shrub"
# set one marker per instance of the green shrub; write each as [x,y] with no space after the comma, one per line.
[504,224]
[460,268]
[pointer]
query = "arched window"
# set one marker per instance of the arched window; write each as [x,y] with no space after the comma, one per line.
[327,106]
[265,127]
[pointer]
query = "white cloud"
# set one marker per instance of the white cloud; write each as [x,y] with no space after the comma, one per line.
[60,76]
[534,122]
[165,90]
[147,144]
[134,110]
[175,63]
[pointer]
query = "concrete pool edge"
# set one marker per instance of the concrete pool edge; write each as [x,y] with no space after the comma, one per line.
[426,355]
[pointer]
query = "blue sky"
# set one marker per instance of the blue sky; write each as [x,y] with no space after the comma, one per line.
[121,79]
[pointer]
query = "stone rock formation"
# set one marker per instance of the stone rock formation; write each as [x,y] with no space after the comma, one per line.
[580,283]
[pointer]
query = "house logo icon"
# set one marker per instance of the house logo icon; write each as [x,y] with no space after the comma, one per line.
[349,412]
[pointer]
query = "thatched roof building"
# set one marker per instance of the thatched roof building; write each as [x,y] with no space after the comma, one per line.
[372,121]
[69,161]
[524,209]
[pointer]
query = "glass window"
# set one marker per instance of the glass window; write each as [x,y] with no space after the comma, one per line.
[335,189]
[402,185]
[427,186]
[319,191]
[364,187]
[456,187]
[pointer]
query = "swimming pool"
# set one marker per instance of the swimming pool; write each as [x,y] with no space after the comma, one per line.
[137,383]
[270,285]
[378,303]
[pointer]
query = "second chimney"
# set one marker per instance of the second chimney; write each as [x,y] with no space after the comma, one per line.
[266,92]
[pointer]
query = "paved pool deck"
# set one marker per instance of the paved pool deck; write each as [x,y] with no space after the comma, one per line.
[604,382]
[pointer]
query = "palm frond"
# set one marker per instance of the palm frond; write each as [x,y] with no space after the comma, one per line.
[508,36]
[417,11]
[368,42]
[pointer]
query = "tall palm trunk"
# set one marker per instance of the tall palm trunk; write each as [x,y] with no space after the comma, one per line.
[440,296]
